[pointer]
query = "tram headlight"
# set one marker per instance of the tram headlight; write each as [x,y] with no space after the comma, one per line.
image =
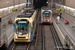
[43,10]
[16,36]
[26,37]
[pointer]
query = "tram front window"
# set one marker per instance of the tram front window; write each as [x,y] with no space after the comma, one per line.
[46,15]
[22,29]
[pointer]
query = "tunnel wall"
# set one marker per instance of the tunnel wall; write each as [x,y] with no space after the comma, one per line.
[4,18]
[70,3]
[6,11]
[7,3]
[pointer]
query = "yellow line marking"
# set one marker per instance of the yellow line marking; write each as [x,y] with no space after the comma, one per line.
[58,29]
[7,39]
[10,36]
[12,33]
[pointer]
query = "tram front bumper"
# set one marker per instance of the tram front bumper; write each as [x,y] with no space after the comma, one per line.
[22,40]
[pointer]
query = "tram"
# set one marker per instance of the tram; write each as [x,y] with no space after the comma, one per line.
[24,27]
[46,15]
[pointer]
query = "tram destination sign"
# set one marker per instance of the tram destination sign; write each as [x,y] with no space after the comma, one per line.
[22,21]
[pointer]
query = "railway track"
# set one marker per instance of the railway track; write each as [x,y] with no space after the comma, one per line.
[39,40]
[21,46]
[48,39]
[56,39]
[51,39]
[39,45]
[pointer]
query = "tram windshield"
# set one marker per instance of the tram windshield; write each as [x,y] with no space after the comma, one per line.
[22,29]
[46,15]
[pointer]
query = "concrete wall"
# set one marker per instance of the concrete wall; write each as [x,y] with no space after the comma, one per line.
[70,3]
[7,3]
[6,11]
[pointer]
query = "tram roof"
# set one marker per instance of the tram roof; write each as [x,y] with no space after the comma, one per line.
[24,15]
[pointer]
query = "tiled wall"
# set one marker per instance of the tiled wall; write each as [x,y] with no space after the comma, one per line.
[7,3]
[4,12]
[70,3]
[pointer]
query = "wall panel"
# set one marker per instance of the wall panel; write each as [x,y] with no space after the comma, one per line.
[1,13]
[7,3]
[70,3]
[16,2]
[6,12]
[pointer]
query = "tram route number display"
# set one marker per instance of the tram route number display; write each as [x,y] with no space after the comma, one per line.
[16,9]
[22,21]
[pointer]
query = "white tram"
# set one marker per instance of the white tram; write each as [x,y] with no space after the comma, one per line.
[46,15]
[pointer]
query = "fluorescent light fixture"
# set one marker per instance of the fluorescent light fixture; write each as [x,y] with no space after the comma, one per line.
[4,8]
[7,1]
[16,5]
[65,6]
[23,4]
[11,6]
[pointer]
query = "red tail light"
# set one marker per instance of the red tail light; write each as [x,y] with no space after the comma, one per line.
[44,20]
[48,20]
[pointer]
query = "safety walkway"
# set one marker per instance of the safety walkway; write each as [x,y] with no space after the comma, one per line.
[7,29]
[64,31]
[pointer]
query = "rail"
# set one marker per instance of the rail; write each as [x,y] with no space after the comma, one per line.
[56,38]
